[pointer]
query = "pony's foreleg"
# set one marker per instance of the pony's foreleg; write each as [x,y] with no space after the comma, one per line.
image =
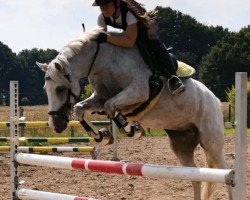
[103,135]
[129,96]
[92,104]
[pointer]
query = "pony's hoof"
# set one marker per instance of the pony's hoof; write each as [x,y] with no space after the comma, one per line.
[137,131]
[107,137]
[98,140]
[130,134]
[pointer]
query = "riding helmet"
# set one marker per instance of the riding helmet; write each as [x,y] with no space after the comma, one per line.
[101,2]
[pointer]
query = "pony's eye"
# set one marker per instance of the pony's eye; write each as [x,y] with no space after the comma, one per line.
[60,89]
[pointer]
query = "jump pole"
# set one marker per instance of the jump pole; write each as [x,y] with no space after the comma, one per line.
[28,149]
[43,124]
[37,124]
[146,170]
[52,139]
[240,191]
[25,194]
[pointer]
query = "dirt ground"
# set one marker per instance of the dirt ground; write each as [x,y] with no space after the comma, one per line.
[152,150]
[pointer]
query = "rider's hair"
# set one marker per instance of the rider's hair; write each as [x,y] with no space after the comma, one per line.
[140,12]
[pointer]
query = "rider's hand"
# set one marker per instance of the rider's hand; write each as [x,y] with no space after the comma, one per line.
[102,37]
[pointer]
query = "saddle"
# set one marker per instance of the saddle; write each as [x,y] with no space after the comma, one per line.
[184,70]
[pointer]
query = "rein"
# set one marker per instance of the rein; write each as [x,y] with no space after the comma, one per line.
[93,61]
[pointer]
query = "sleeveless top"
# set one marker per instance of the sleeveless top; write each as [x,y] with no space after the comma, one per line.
[126,18]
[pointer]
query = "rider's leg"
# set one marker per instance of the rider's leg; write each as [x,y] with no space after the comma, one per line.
[165,66]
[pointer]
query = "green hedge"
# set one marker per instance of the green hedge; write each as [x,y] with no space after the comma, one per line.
[231,100]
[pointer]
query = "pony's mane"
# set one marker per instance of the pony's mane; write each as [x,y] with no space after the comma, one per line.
[68,52]
[76,45]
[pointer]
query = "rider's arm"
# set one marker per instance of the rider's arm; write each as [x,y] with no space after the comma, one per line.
[128,40]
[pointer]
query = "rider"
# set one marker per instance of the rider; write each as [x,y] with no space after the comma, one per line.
[127,16]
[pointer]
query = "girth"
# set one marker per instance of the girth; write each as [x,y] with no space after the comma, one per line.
[155,85]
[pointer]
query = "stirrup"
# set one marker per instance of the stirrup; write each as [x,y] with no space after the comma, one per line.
[179,90]
[171,85]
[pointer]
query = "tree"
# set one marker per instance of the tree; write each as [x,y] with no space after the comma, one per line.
[230,55]
[190,39]
[31,83]
[9,70]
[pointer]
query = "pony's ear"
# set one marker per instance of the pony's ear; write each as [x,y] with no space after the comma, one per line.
[58,67]
[42,66]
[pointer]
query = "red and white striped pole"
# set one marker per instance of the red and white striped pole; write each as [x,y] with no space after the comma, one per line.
[146,170]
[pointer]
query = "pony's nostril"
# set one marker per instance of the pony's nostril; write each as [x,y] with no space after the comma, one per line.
[58,129]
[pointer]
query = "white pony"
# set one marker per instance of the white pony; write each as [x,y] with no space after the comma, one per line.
[120,79]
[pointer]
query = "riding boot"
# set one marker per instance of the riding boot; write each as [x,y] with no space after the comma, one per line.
[166,67]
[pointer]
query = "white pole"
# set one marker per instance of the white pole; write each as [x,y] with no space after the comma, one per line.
[146,170]
[45,161]
[14,112]
[25,194]
[240,191]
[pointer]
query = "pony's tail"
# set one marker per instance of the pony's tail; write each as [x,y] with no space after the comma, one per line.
[207,190]
[207,187]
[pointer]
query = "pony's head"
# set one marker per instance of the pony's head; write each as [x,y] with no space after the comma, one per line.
[62,76]
[59,92]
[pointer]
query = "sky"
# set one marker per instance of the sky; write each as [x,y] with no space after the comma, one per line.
[27,24]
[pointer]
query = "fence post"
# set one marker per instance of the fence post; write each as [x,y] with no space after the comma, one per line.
[240,191]
[13,138]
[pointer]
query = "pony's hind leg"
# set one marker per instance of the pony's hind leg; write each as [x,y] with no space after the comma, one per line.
[183,144]
[212,141]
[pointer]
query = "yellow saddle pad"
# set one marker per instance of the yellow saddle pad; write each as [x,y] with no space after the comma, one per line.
[185,70]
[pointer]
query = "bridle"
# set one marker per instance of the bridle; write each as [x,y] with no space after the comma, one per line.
[62,112]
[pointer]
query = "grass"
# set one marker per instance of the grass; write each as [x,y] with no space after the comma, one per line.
[232,131]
